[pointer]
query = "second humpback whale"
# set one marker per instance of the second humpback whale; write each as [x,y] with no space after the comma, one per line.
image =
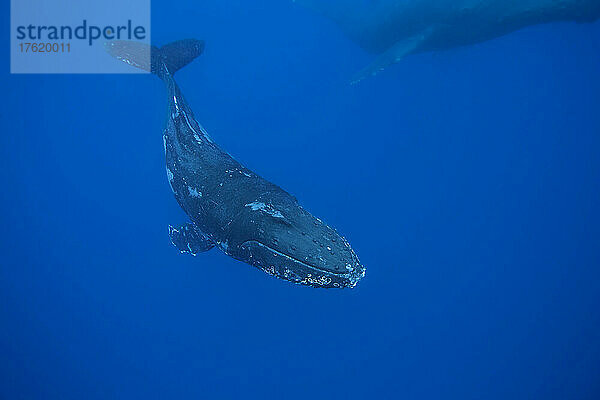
[231,207]
[394,29]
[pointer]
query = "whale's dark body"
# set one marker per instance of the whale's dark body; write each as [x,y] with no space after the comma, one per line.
[231,207]
[396,28]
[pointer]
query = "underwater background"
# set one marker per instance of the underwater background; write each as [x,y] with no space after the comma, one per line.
[467,181]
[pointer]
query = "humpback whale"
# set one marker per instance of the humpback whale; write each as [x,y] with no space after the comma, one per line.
[230,207]
[394,29]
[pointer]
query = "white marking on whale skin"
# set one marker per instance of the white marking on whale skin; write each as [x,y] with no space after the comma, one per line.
[187,121]
[170,177]
[256,206]
[194,192]
[267,209]
[176,105]
[202,131]
[165,143]
[198,140]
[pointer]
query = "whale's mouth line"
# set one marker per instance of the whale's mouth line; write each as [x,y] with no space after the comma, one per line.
[292,258]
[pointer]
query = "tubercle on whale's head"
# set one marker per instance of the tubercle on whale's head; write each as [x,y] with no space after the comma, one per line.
[287,242]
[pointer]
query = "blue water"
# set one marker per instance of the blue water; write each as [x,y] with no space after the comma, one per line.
[468,182]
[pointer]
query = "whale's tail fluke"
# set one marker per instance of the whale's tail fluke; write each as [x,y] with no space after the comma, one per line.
[161,61]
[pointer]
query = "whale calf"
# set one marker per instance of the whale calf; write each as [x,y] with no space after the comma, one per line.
[394,29]
[230,207]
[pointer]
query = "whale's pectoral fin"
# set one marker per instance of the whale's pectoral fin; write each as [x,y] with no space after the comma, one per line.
[392,55]
[188,239]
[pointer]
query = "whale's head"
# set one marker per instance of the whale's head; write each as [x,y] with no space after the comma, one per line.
[286,241]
